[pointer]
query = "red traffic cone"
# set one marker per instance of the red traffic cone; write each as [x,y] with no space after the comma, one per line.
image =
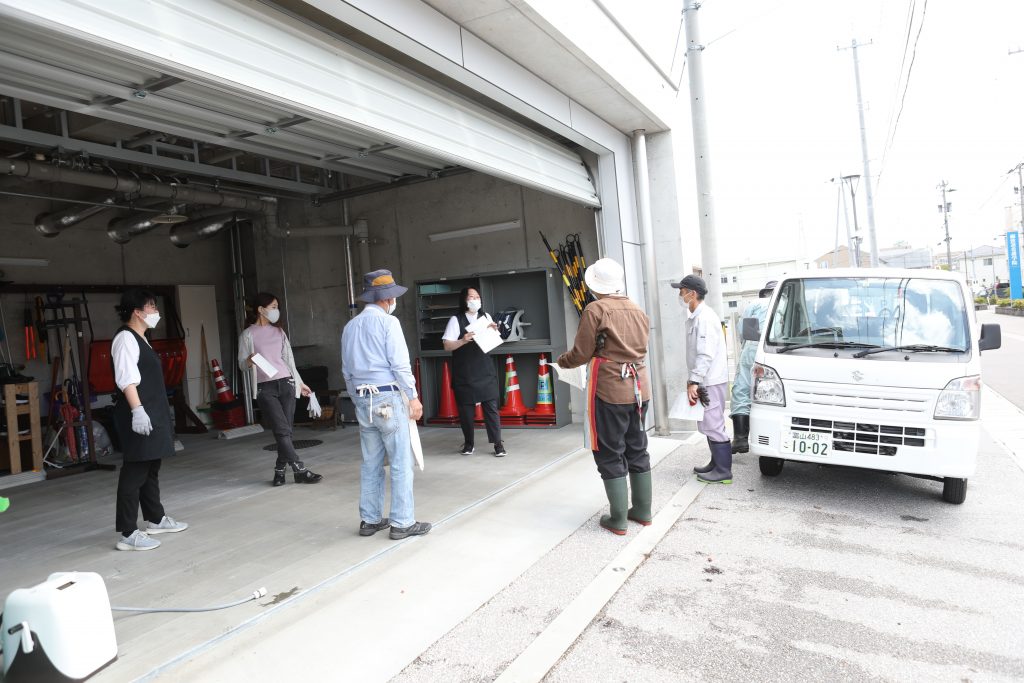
[224,393]
[478,416]
[447,413]
[419,384]
[544,412]
[513,407]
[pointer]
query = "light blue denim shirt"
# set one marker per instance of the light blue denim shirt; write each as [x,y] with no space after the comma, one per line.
[373,351]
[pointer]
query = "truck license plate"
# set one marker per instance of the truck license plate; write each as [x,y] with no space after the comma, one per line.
[806,443]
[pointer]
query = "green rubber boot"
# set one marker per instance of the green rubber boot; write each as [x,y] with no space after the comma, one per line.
[618,501]
[640,492]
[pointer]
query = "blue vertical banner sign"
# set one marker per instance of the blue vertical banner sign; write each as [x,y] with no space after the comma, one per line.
[1013,258]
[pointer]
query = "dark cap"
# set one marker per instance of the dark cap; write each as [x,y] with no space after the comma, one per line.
[767,291]
[692,283]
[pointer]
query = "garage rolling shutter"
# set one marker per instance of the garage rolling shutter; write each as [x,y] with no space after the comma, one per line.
[260,56]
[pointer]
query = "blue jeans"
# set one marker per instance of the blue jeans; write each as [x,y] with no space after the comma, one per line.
[380,435]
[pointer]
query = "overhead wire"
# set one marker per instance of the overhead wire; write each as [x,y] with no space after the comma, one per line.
[889,133]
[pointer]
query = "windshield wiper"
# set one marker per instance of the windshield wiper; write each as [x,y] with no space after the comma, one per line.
[833,344]
[910,347]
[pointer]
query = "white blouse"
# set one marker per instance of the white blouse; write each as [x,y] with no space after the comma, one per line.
[124,350]
[453,332]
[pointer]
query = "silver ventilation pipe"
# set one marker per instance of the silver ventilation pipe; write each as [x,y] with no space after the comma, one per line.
[185,234]
[123,229]
[53,224]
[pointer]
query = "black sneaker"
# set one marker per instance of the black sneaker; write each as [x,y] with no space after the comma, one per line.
[467,449]
[279,477]
[499,450]
[414,529]
[370,529]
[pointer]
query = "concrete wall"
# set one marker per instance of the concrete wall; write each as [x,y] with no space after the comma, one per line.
[400,222]
[84,255]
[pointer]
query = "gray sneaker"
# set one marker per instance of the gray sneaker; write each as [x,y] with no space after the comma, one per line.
[414,529]
[166,526]
[139,540]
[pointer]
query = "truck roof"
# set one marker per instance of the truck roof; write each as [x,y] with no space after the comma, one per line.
[925,273]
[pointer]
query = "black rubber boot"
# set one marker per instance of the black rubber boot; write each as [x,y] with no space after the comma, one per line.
[618,501]
[279,477]
[706,468]
[640,493]
[740,433]
[304,476]
[721,456]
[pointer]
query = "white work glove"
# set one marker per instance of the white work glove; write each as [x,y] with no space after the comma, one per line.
[314,407]
[141,424]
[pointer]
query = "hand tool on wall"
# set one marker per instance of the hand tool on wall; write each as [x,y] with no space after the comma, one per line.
[30,337]
[42,332]
[576,302]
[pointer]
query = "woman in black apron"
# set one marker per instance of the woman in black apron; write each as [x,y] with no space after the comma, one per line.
[474,379]
[143,421]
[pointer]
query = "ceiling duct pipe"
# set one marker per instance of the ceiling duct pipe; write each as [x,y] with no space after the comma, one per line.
[53,224]
[123,229]
[185,234]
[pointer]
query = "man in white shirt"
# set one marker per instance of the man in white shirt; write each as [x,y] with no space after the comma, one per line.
[707,376]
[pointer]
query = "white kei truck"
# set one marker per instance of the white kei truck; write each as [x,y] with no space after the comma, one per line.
[874,368]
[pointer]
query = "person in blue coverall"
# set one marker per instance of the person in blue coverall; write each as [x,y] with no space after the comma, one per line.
[741,384]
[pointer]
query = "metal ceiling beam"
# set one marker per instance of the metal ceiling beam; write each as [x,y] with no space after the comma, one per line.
[191,133]
[48,141]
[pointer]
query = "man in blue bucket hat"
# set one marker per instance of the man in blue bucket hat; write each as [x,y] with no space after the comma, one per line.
[378,376]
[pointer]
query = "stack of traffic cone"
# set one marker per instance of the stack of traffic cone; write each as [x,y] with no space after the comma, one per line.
[419,384]
[513,412]
[447,412]
[227,412]
[544,412]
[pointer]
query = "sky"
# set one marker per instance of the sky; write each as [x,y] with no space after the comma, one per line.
[782,110]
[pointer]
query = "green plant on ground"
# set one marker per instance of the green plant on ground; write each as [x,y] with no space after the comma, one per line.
[1017,305]
[980,300]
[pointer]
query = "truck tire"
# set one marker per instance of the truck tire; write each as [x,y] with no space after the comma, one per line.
[954,490]
[770,467]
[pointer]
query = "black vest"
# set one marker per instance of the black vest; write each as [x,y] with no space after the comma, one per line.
[153,394]
[474,378]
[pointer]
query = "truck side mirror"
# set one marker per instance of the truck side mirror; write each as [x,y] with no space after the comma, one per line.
[991,337]
[752,330]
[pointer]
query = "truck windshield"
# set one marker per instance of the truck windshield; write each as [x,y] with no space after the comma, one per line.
[869,311]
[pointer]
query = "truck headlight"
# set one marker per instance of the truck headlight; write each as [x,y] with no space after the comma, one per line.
[960,400]
[768,387]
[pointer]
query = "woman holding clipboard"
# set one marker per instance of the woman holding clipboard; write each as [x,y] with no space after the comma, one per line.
[474,379]
[277,390]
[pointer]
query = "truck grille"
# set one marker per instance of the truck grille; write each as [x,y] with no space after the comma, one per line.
[861,437]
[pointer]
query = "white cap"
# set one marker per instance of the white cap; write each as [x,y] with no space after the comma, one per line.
[605,276]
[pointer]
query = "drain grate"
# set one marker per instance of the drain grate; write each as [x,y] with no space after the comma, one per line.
[298,443]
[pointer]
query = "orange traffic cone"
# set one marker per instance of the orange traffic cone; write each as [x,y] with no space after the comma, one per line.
[447,413]
[513,412]
[544,412]
[224,393]
[478,416]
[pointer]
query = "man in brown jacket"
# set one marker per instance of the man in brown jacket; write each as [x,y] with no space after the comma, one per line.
[612,341]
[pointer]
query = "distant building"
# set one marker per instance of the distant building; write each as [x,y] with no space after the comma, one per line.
[905,257]
[986,265]
[842,258]
[742,282]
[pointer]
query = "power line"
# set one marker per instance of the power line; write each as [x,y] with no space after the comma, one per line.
[906,87]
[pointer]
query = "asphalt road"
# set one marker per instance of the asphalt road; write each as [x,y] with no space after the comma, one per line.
[1002,369]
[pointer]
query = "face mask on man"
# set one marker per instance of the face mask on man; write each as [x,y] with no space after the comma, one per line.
[473,305]
[152,319]
[272,314]
[392,307]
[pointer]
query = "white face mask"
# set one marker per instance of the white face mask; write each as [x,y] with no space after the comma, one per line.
[273,314]
[682,302]
[392,307]
[473,305]
[152,319]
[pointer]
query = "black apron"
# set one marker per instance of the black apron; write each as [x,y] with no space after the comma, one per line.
[160,443]
[474,379]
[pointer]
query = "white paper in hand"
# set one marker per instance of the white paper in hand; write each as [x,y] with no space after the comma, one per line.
[263,364]
[414,441]
[682,410]
[576,377]
[485,337]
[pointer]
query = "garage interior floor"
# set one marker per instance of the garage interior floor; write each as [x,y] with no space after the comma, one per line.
[244,533]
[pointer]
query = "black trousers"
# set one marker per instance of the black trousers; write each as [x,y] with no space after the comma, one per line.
[276,399]
[621,440]
[137,484]
[491,420]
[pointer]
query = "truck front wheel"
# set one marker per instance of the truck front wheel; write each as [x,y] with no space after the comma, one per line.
[770,467]
[954,490]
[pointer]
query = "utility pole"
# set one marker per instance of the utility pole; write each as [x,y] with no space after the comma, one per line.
[856,228]
[944,208]
[1019,168]
[869,200]
[701,157]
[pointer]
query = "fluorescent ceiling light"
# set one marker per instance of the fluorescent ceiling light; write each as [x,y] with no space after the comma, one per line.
[478,230]
[16,261]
